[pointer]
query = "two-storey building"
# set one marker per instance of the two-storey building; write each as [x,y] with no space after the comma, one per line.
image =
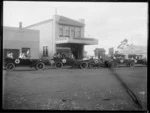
[62,34]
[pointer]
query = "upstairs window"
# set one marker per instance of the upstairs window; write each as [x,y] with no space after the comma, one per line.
[72,32]
[45,51]
[60,30]
[67,28]
[78,32]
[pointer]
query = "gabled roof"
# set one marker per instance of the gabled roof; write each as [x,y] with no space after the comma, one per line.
[68,21]
[39,23]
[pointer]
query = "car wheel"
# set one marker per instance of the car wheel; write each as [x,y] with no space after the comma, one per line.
[131,64]
[115,64]
[83,65]
[92,65]
[40,66]
[58,65]
[10,66]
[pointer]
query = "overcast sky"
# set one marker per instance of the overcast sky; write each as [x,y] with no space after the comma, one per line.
[108,22]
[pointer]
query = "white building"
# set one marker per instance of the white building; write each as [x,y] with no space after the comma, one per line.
[60,33]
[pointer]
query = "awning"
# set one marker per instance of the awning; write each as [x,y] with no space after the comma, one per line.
[84,41]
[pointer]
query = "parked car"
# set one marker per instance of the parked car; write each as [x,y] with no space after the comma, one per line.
[67,61]
[97,63]
[11,63]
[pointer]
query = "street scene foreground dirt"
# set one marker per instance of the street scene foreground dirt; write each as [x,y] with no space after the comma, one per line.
[74,89]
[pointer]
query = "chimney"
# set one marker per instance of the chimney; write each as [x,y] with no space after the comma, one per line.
[20,25]
[82,21]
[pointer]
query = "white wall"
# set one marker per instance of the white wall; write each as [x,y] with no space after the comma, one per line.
[46,37]
[15,38]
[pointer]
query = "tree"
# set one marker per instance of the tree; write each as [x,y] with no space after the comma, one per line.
[123,44]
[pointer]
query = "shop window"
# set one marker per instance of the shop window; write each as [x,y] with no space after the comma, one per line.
[45,50]
[26,53]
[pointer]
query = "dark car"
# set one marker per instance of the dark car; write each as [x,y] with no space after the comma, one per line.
[67,61]
[140,61]
[11,63]
[97,63]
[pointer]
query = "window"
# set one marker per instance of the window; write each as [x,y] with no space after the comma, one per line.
[78,32]
[72,32]
[45,50]
[26,52]
[60,30]
[67,31]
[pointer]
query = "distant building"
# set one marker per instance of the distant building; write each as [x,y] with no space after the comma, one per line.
[111,51]
[134,50]
[99,52]
[85,54]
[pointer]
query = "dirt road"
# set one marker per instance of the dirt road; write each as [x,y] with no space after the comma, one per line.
[73,89]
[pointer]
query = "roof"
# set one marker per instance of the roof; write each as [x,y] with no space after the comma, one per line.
[39,23]
[18,29]
[133,49]
[68,21]
[100,49]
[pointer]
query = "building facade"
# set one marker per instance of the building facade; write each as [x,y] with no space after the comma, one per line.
[19,40]
[44,39]
[133,50]
[62,34]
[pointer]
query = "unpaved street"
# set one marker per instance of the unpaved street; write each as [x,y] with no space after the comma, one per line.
[74,89]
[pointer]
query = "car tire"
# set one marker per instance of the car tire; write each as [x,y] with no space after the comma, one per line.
[10,66]
[40,66]
[84,65]
[92,65]
[59,64]
[115,64]
[132,64]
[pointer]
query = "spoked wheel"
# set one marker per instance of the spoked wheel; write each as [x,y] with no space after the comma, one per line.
[10,66]
[131,64]
[40,66]
[83,65]
[92,65]
[59,65]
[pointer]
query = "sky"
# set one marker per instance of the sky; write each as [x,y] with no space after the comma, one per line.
[108,22]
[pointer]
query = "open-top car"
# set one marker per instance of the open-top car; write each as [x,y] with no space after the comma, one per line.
[120,60]
[11,63]
[97,63]
[67,61]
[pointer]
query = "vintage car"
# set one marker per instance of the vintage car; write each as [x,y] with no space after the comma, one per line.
[138,59]
[96,63]
[67,61]
[11,63]
[120,60]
